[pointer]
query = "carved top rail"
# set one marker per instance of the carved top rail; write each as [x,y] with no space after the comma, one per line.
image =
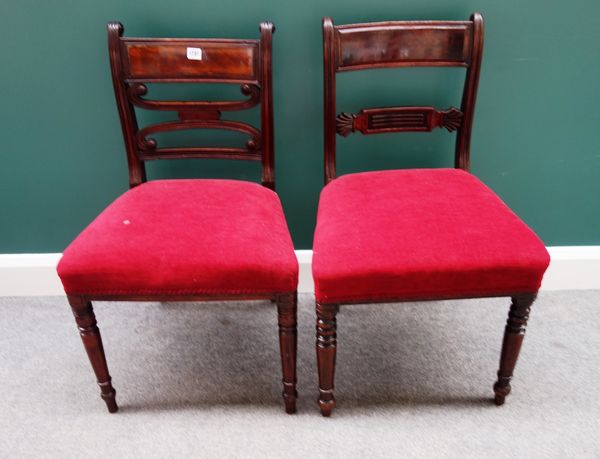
[183,59]
[401,44]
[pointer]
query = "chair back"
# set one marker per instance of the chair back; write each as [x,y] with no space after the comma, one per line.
[355,47]
[138,61]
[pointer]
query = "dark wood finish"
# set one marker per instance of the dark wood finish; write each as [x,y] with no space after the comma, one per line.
[462,152]
[266,104]
[288,343]
[92,341]
[326,350]
[398,44]
[398,119]
[329,91]
[135,62]
[354,47]
[511,346]
[405,44]
[257,86]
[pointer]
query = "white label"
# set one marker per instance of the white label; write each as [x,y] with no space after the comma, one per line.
[194,54]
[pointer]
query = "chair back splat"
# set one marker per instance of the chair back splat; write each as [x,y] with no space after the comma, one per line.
[401,44]
[137,61]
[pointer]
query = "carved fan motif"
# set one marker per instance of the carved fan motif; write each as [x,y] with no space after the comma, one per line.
[344,124]
[451,119]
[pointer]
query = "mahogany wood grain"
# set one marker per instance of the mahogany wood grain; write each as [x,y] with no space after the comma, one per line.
[354,47]
[246,62]
[159,59]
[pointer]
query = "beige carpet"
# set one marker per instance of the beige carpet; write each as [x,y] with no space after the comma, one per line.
[202,380]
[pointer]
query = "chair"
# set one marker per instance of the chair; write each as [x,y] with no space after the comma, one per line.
[422,234]
[188,240]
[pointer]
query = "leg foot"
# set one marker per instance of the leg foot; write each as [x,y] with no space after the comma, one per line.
[511,345]
[326,350]
[288,339]
[92,341]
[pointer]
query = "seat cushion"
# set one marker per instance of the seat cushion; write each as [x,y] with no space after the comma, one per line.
[420,234]
[184,237]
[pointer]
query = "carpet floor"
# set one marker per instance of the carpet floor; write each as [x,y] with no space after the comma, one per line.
[202,380]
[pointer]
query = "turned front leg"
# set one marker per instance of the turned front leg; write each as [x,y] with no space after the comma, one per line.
[511,346]
[288,339]
[326,350]
[90,335]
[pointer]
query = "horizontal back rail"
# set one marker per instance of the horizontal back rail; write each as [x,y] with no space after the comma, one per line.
[135,91]
[149,149]
[170,59]
[398,119]
[402,44]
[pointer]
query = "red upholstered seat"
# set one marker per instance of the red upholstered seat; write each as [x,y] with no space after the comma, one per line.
[184,237]
[425,233]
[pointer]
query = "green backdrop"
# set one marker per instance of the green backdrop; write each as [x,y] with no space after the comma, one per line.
[535,139]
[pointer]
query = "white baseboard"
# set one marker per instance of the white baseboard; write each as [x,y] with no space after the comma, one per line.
[26,274]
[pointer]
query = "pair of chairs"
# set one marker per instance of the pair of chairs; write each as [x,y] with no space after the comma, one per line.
[399,235]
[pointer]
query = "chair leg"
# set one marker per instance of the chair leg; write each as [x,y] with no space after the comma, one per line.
[90,335]
[326,350]
[288,341]
[511,345]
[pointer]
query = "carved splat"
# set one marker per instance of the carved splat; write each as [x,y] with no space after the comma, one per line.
[148,146]
[398,119]
[136,91]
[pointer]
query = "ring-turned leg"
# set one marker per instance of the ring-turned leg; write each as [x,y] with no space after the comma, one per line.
[90,335]
[513,338]
[326,349]
[288,339]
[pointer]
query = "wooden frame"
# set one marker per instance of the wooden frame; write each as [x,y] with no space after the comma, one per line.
[355,47]
[135,61]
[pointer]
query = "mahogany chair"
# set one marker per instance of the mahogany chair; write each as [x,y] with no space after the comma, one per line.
[421,234]
[188,240]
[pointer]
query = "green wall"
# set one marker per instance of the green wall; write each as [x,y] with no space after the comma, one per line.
[535,139]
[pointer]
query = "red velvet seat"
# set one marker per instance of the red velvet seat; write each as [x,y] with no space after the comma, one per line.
[184,237]
[425,233]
